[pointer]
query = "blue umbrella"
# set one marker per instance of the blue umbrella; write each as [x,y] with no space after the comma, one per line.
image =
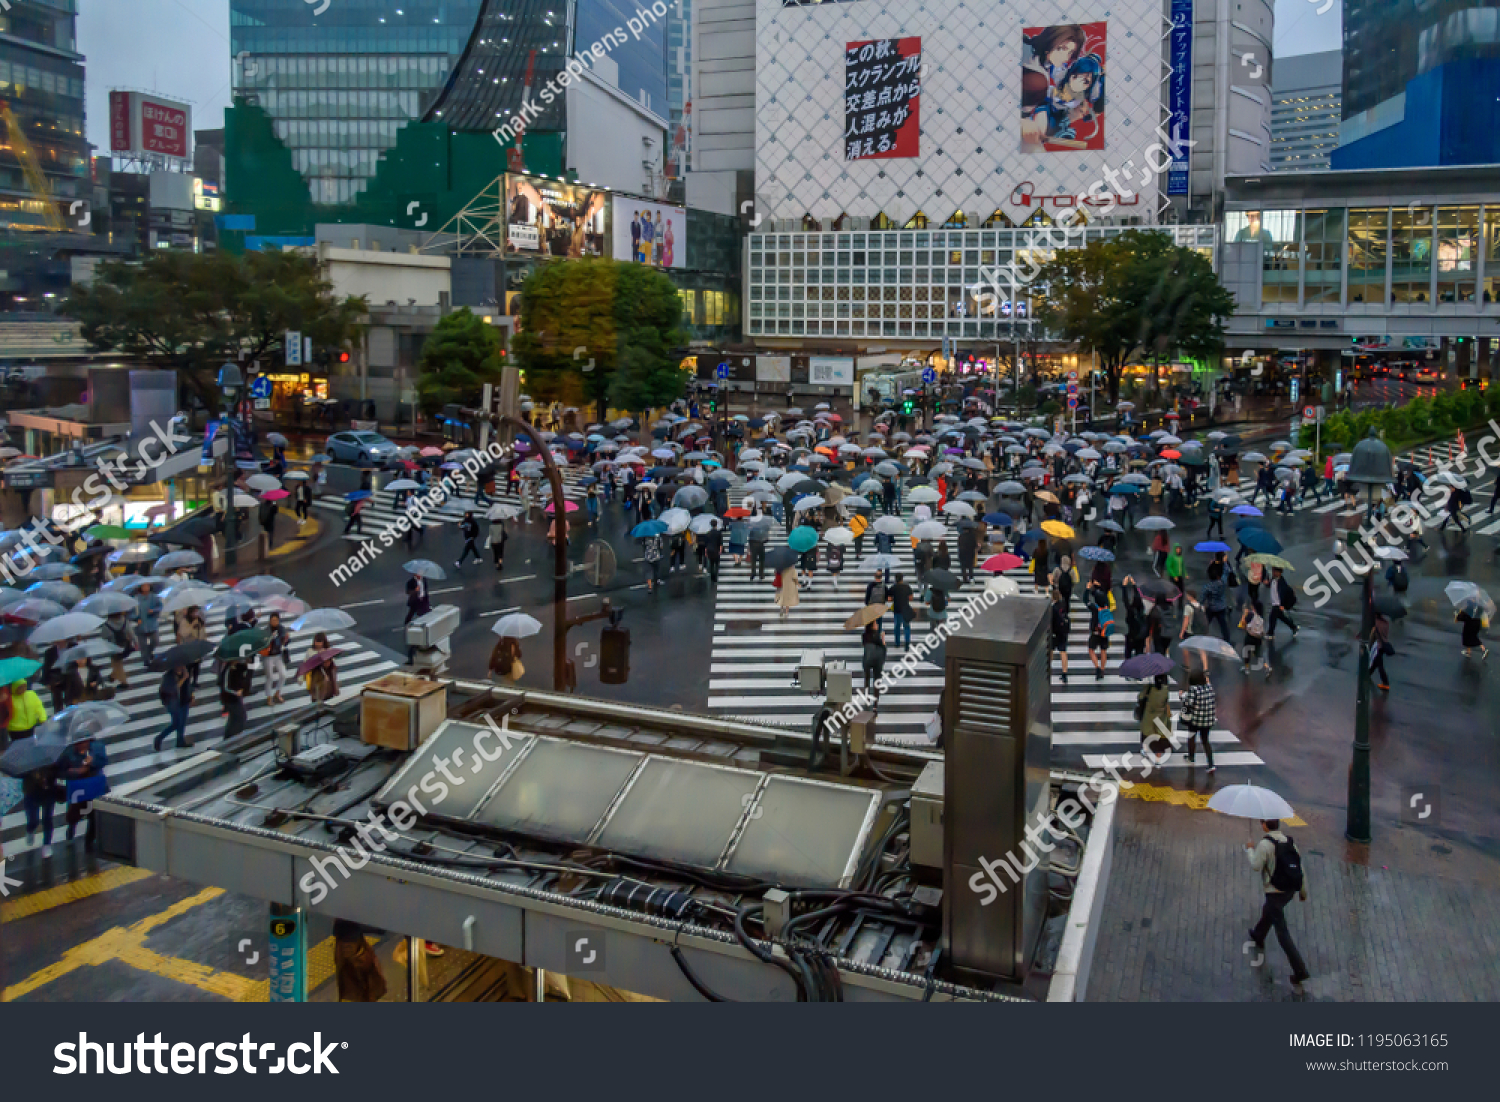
[1002,520]
[1249,522]
[1031,537]
[648,528]
[357,495]
[1124,488]
[1143,666]
[1211,547]
[1111,526]
[1096,554]
[802,539]
[1246,511]
[1260,541]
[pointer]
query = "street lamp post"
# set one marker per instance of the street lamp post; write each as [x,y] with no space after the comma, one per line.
[1370,466]
[230,382]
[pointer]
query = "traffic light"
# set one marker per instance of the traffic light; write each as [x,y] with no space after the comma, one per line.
[343,357]
[908,407]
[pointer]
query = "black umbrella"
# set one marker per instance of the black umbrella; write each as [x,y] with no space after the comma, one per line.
[1159,589]
[779,558]
[27,755]
[183,654]
[177,538]
[941,579]
[1389,606]
[808,486]
[89,553]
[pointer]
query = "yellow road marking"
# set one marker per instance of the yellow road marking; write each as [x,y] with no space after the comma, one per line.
[298,539]
[41,901]
[1197,801]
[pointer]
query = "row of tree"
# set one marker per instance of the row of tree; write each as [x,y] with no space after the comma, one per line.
[593,332]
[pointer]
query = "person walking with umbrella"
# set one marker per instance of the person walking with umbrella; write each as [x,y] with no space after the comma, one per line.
[148,621]
[1101,624]
[1254,626]
[1380,646]
[1060,625]
[1215,517]
[38,798]
[1175,573]
[1135,618]
[235,683]
[711,544]
[1282,876]
[1472,620]
[176,694]
[1199,714]
[321,673]
[1455,510]
[1160,545]
[1039,565]
[119,632]
[651,550]
[872,653]
[469,529]
[354,515]
[26,711]
[82,769]
[304,500]
[1153,708]
[496,539]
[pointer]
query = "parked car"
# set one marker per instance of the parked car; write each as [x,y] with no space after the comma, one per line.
[363,449]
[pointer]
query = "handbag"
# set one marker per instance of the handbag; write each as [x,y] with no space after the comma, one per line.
[83,789]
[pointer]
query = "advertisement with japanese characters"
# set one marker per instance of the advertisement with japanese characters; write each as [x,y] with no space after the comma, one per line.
[882,90]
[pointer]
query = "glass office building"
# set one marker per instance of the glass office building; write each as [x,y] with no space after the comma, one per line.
[41,78]
[340,85]
[1389,42]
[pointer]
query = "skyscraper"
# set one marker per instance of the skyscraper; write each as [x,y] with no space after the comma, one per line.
[1421,83]
[41,80]
[1305,111]
[340,85]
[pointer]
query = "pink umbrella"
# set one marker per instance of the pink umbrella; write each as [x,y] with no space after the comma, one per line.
[998,563]
[572,507]
[432,451]
[274,495]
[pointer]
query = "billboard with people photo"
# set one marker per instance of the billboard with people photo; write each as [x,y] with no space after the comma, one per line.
[1062,87]
[649,233]
[551,218]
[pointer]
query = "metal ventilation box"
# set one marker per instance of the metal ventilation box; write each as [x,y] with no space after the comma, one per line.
[997,739]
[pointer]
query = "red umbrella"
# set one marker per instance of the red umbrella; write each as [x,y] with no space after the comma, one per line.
[736,513]
[572,507]
[997,563]
[274,495]
[1171,453]
[1174,416]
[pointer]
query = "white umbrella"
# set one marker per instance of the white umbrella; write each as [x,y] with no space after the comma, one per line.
[262,586]
[930,530]
[517,625]
[882,562]
[182,597]
[959,509]
[839,537]
[71,625]
[923,495]
[1002,585]
[425,568]
[1391,554]
[890,526]
[105,603]
[811,501]
[1210,644]
[244,501]
[1248,801]
[504,512]
[856,501]
[701,525]
[262,482]
[323,619]
[676,520]
[399,484]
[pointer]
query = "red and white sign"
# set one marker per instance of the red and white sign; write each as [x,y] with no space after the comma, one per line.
[119,122]
[164,127]
[141,123]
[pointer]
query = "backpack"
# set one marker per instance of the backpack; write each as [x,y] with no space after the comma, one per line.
[1106,622]
[1400,580]
[1288,594]
[1287,875]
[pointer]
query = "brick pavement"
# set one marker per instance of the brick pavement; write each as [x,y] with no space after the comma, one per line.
[1182,895]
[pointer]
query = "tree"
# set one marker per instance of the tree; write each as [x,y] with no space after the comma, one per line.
[607,330]
[459,356]
[1134,294]
[191,312]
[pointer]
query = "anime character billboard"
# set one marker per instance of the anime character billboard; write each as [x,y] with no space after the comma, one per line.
[1062,87]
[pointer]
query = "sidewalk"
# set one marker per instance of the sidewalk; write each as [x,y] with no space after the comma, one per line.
[1417,921]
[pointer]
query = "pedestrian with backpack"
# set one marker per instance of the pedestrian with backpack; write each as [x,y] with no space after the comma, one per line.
[1101,626]
[1276,858]
[1254,626]
[1283,600]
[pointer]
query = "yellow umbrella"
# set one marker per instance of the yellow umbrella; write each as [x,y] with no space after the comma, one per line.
[1046,495]
[1057,528]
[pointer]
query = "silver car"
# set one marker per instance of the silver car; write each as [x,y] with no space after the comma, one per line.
[363,449]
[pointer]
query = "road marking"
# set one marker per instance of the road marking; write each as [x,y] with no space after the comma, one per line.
[450,589]
[362,604]
[41,901]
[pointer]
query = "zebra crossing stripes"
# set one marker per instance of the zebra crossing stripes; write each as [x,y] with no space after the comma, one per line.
[381,510]
[131,755]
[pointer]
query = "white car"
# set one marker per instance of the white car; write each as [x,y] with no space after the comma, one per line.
[363,449]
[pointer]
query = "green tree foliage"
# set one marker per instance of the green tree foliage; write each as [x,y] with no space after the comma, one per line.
[459,356]
[1417,420]
[191,312]
[610,331]
[1137,294]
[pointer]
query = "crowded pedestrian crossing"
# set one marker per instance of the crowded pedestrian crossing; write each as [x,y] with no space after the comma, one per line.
[755,656]
[380,509]
[131,754]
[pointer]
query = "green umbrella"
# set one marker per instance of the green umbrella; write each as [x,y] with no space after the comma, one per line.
[243,644]
[17,669]
[108,532]
[1271,560]
[802,539]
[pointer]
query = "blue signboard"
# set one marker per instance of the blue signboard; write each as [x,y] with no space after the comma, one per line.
[929,376]
[1180,95]
[724,370]
[262,387]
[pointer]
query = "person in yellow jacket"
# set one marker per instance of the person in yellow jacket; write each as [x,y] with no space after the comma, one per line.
[26,711]
[859,524]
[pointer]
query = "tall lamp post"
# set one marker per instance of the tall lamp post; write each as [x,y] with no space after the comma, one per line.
[230,383]
[1370,466]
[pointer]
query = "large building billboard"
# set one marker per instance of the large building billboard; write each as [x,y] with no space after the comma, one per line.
[553,218]
[648,233]
[882,86]
[1084,116]
[142,123]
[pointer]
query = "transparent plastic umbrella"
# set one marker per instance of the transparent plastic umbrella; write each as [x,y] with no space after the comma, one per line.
[70,625]
[517,625]
[930,530]
[262,586]
[64,593]
[1248,801]
[676,520]
[188,596]
[425,568]
[323,619]
[176,560]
